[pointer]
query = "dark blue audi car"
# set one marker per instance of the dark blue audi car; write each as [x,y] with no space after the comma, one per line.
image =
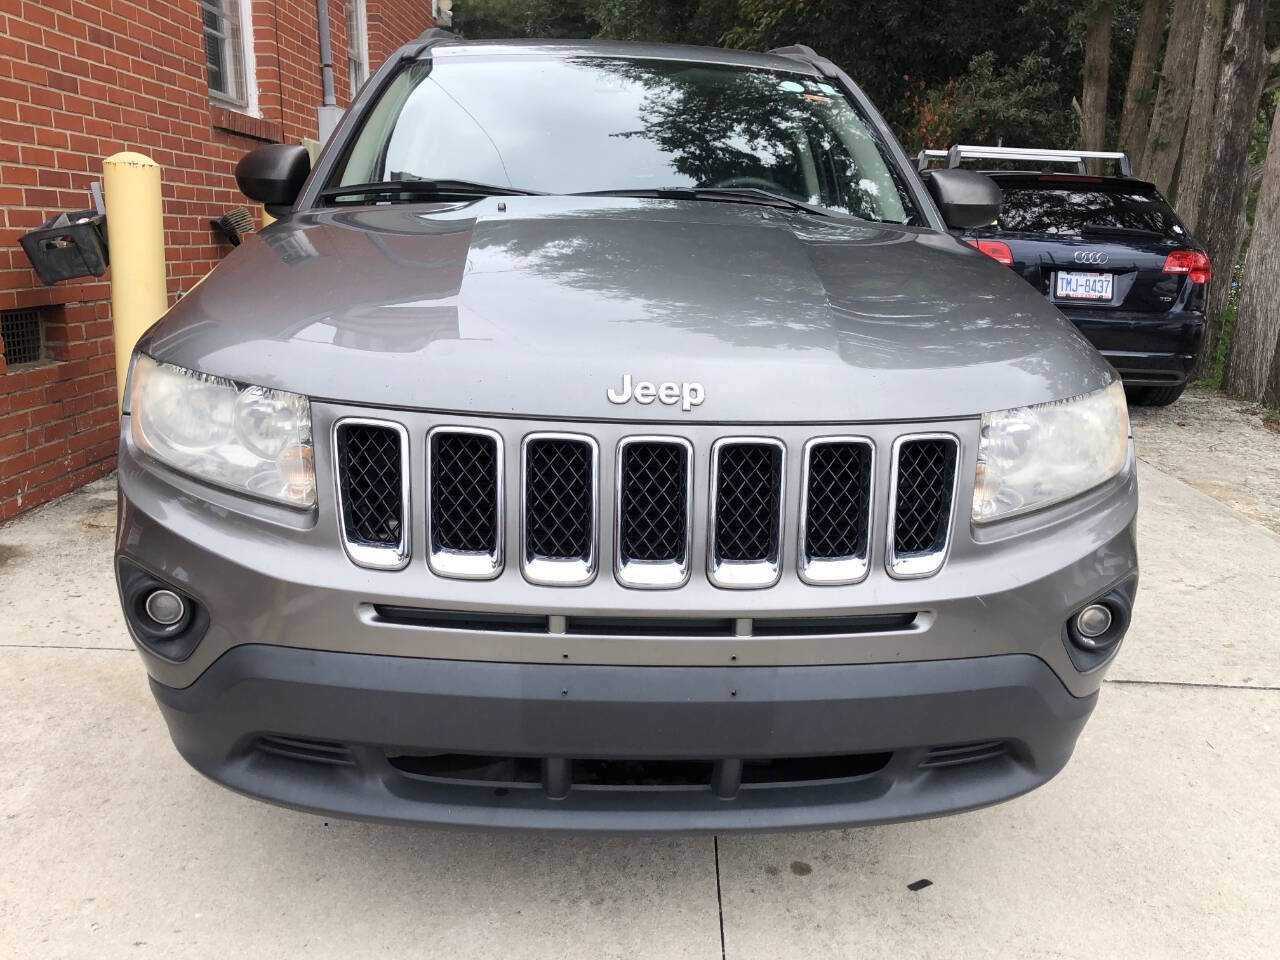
[1112,255]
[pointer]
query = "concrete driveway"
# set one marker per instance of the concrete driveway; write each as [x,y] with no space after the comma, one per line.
[1161,838]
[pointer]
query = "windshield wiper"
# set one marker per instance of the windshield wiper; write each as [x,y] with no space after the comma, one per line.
[417,189]
[1105,228]
[717,194]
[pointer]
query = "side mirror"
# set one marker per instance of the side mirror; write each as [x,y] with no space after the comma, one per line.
[273,175]
[965,199]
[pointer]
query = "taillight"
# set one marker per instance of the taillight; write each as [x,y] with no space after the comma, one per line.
[997,250]
[1191,262]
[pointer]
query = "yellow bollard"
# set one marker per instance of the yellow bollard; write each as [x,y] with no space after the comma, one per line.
[135,234]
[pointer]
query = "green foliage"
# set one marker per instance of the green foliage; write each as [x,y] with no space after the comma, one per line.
[506,19]
[1019,105]
[1226,326]
[1221,350]
[1261,135]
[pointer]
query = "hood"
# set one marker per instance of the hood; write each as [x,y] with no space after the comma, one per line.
[538,306]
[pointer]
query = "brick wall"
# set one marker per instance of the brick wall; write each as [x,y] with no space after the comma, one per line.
[389,21]
[80,81]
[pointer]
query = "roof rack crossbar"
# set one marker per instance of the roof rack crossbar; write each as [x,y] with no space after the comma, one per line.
[962,152]
[926,157]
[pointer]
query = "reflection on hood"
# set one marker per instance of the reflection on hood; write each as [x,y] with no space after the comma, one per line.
[539,308]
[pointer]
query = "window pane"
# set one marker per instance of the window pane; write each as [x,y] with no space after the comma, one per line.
[224,49]
[594,123]
[1066,209]
[357,68]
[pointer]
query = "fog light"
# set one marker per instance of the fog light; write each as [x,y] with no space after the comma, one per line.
[1093,621]
[1093,633]
[165,607]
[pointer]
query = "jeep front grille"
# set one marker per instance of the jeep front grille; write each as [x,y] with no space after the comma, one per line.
[746,512]
[560,494]
[464,517]
[924,471]
[654,501]
[835,510]
[371,471]
[662,520]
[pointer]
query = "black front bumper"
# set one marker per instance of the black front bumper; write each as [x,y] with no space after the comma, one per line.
[315,731]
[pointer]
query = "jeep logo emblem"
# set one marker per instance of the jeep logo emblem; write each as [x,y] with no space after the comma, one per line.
[668,393]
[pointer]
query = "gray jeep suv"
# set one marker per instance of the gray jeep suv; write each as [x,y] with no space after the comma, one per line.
[615,437]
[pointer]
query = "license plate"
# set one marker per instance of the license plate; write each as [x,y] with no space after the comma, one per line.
[1074,285]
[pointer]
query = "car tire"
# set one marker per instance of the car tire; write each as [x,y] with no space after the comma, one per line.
[1155,396]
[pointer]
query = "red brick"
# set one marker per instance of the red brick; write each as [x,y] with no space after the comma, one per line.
[12,445]
[80,80]
[58,430]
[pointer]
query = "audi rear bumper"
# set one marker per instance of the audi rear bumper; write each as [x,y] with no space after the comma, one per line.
[1147,349]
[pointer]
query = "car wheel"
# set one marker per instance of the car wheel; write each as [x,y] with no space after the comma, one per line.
[1155,396]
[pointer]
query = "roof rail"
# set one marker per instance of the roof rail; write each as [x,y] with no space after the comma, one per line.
[436,33]
[428,39]
[798,51]
[958,154]
[926,157]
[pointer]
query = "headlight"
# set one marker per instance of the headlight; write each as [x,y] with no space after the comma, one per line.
[251,439]
[1030,457]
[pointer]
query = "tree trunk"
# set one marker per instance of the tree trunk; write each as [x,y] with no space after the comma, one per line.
[1173,98]
[1253,345]
[1272,397]
[1195,142]
[1097,59]
[1140,91]
[1222,202]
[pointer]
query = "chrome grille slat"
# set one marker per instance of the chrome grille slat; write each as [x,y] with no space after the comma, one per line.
[560,495]
[835,509]
[922,503]
[371,474]
[653,511]
[742,510]
[465,515]
[748,477]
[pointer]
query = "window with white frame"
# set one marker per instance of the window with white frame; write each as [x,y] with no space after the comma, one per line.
[226,50]
[357,45]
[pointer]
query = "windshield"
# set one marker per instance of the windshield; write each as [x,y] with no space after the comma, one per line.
[590,124]
[1067,209]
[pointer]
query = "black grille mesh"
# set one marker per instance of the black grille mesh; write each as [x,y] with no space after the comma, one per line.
[558,492]
[837,510]
[464,492]
[748,489]
[926,474]
[654,507]
[370,483]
